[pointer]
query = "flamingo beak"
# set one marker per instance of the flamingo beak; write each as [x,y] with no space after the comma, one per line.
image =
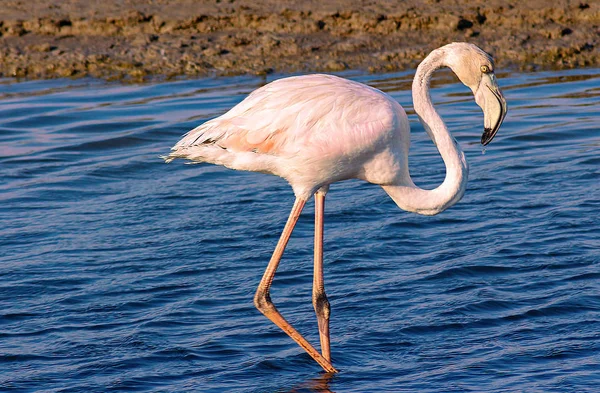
[492,102]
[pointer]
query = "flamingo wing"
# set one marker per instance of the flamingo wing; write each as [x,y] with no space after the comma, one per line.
[290,114]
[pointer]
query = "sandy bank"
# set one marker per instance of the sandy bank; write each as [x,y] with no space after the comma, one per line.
[138,39]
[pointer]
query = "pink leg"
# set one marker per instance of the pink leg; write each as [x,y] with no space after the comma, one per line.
[320,301]
[262,299]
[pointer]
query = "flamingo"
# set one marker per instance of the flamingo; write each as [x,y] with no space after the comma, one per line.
[314,130]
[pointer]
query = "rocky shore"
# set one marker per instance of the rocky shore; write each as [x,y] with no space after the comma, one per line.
[140,40]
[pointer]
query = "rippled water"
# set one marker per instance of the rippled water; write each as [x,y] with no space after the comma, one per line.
[118,272]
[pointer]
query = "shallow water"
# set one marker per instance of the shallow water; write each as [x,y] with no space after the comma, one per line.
[118,272]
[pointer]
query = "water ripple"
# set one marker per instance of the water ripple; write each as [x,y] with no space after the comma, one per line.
[121,273]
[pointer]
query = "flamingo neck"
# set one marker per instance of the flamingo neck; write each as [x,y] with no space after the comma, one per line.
[429,202]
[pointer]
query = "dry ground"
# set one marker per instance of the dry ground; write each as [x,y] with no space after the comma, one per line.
[137,39]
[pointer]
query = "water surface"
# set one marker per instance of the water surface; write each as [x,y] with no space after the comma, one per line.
[119,272]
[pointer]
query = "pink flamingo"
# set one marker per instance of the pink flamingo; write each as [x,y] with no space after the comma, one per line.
[315,130]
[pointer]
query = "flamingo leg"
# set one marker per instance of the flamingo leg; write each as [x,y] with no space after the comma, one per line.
[320,301]
[262,299]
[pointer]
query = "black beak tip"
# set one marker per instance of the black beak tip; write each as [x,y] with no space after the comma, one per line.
[487,136]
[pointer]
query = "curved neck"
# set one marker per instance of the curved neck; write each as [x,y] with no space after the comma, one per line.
[429,202]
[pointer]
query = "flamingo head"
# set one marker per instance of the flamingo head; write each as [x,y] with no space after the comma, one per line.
[475,69]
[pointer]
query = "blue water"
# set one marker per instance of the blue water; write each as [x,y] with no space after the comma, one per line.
[121,273]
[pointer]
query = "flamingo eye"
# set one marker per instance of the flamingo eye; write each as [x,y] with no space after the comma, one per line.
[485,69]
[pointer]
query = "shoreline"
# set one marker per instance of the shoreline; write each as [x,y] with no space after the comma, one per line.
[145,40]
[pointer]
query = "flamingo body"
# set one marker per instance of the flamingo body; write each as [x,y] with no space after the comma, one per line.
[315,130]
[311,130]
